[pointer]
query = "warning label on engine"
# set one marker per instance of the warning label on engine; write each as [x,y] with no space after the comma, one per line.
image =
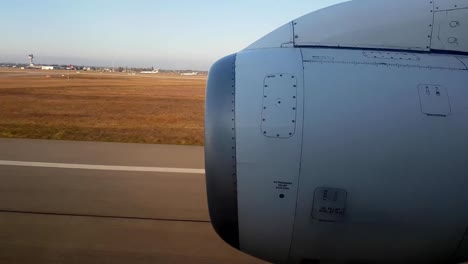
[280,185]
[329,204]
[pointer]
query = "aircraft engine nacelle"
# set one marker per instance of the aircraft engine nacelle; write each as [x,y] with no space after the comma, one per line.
[343,137]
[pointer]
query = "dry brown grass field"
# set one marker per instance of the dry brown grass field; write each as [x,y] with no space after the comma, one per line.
[160,108]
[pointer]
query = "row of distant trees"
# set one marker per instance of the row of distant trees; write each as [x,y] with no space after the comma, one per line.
[98,68]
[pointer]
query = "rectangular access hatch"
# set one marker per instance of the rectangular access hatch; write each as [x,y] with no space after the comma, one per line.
[279,105]
[434,100]
[329,204]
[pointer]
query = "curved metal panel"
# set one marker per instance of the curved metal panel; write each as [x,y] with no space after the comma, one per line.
[398,24]
[443,5]
[364,132]
[220,150]
[450,30]
[267,167]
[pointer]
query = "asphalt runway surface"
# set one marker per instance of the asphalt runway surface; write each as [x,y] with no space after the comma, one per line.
[89,202]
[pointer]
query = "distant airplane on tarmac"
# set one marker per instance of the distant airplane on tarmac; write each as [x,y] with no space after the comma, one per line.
[150,72]
[189,73]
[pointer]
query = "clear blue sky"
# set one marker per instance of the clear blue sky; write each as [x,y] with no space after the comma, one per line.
[168,34]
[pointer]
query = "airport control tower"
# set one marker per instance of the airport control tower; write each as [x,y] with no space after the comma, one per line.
[31,60]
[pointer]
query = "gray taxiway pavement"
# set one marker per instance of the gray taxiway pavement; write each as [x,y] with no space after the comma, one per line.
[127,203]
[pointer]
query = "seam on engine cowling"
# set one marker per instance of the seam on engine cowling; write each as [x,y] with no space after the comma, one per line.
[233,126]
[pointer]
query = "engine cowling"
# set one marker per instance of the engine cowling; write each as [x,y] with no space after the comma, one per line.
[330,147]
